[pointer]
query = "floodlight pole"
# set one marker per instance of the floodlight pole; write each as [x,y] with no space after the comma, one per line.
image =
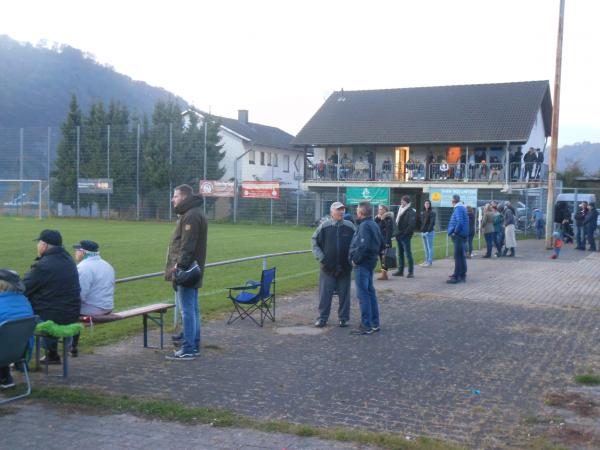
[205,151]
[554,131]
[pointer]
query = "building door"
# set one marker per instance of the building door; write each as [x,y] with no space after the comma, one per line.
[401,155]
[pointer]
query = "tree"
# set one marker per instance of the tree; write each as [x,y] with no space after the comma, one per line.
[569,175]
[64,176]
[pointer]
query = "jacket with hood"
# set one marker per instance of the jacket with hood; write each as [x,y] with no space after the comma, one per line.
[188,242]
[386,226]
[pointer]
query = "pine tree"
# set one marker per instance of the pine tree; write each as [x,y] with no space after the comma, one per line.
[64,176]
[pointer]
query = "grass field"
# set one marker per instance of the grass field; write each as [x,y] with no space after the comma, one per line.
[135,248]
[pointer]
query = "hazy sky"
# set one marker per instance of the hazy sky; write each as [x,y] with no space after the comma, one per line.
[281,59]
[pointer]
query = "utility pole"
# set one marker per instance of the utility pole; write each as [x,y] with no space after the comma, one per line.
[554,132]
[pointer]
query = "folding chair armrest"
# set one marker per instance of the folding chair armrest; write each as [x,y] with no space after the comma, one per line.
[250,284]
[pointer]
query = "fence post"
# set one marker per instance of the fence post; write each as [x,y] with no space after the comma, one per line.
[77,176]
[265,263]
[21,171]
[137,176]
[108,169]
[271,211]
[48,171]
[170,170]
[298,207]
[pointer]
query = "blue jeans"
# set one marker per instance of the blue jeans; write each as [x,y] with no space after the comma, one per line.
[580,237]
[369,309]
[428,245]
[404,247]
[190,309]
[489,244]
[460,258]
[499,240]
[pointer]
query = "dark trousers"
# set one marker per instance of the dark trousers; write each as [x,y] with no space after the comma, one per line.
[589,235]
[470,244]
[328,285]
[580,236]
[499,240]
[489,243]
[460,258]
[404,249]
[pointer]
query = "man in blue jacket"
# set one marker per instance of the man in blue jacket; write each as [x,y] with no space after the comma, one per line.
[13,305]
[366,245]
[458,230]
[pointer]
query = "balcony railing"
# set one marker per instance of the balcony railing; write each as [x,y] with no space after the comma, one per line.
[420,172]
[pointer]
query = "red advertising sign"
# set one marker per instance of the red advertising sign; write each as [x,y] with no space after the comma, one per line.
[216,188]
[260,189]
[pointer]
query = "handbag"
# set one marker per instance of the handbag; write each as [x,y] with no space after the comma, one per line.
[389,258]
[188,277]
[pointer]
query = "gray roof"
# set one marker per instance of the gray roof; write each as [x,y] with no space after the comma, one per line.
[260,134]
[445,114]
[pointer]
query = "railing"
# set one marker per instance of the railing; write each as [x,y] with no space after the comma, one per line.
[493,172]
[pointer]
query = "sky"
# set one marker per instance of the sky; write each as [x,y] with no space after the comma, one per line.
[281,59]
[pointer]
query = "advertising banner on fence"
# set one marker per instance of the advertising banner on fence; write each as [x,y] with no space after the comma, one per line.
[209,188]
[95,185]
[376,195]
[442,198]
[260,189]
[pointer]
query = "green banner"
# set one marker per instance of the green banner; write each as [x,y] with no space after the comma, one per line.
[376,195]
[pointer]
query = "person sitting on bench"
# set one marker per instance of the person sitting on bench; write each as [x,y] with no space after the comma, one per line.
[13,305]
[52,287]
[97,282]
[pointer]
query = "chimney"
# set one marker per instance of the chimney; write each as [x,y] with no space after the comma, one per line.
[243,116]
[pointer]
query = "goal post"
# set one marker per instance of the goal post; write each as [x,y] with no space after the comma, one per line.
[21,197]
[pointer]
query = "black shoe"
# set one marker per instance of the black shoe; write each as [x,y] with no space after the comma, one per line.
[360,331]
[7,383]
[453,280]
[320,323]
[410,275]
[397,273]
[50,359]
[343,323]
[486,256]
[74,351]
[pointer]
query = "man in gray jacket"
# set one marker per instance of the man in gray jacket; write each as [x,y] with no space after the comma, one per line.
[330,245]
[97,282]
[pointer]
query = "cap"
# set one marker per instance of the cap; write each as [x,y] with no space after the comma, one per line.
[13,278]
[337,205]
[86,245]
[51,237]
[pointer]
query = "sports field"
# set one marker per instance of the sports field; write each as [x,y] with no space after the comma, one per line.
[135,248]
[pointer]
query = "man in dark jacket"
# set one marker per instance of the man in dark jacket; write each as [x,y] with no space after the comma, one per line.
[406,220]
[590,223]
[579,219]
[364,250]
[330,245]
[458,230]
[52,287]
[186,251]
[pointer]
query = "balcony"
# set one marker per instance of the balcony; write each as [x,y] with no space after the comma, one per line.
[482,173]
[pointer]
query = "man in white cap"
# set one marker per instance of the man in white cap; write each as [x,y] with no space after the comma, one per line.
[330,245]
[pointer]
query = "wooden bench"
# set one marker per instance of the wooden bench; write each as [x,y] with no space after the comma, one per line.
[154,313]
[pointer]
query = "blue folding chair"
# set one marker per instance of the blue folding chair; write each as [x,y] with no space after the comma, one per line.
[15,337]
[247,302]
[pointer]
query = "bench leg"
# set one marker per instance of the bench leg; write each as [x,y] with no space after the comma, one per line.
[145,330]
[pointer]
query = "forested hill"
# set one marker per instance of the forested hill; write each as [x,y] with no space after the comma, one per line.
[36,84]
[585,154]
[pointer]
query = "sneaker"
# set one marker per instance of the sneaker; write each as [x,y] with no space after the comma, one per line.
[320,323]
[74,351]
[376,329]
[398,274]
[180,355]
[362,331]
[343,323]
[50,359]
[410,275]
[7,383]
[453,280]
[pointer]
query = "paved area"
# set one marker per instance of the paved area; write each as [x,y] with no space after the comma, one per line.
[469,363]
[115,432]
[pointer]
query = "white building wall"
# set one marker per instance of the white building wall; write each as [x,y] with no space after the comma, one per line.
[537,138]
[287,174]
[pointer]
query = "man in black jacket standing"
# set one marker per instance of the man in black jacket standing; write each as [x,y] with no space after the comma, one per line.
[330,245]
[582,211]
[590,223]
[52,287]
[186,251]
[406,220]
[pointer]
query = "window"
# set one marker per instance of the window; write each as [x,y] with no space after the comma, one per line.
[275,162]
[268,159]
[251,157]
[286,163]
[262,158]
